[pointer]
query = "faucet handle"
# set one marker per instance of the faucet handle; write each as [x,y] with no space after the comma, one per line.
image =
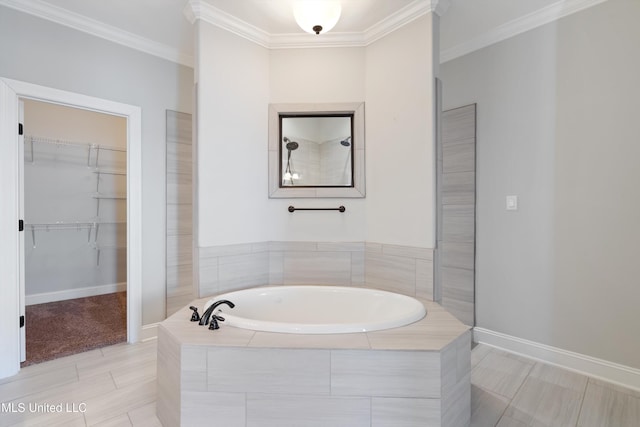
[214,321]
[194,316]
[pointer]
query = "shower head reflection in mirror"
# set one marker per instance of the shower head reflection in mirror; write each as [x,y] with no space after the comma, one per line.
[316,150]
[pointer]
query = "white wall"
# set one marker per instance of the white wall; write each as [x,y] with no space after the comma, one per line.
[231,138]
[44,53]
[400,139]
[558,126]
[59,187]
[329,75]
[237,80]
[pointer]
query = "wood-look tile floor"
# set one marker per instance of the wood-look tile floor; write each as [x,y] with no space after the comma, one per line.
[116,386]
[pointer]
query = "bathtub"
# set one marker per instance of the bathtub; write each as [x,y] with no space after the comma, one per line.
[416,374]
[318,309]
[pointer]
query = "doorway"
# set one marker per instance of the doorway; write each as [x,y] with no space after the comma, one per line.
[74,197]
[12,300]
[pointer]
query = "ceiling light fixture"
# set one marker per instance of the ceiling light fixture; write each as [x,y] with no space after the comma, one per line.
[317,16]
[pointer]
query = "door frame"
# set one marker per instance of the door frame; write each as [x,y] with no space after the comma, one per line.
[9,183]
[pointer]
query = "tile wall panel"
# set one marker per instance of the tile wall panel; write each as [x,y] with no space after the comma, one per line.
[455,236]
[179,212]
[307,411]
[385,373]
[407,270]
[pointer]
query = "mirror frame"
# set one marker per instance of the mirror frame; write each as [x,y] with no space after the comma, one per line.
[357,139]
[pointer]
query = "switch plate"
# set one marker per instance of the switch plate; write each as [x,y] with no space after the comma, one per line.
[512,203]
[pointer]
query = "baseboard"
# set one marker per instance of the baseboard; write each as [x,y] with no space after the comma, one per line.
[622,375]
[149,332]
[74,293]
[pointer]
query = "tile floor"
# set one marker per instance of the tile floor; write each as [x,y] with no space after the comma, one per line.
[115,386]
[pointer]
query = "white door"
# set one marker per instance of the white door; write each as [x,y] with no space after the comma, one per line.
[9,234]
[21,291]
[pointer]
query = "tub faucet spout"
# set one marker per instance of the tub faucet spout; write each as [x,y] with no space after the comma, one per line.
[207,315]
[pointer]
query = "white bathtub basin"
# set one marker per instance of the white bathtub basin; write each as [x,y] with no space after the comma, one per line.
[317,309]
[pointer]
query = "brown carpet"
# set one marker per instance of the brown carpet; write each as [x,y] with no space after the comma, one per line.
[62,328]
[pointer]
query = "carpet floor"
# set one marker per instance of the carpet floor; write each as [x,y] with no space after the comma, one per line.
[62,328]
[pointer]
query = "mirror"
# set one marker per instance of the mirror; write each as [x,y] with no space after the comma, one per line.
[316,150]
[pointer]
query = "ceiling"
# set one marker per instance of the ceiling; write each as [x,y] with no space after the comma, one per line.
[161,27]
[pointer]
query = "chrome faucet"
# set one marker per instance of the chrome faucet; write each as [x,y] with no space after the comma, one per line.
[208,314]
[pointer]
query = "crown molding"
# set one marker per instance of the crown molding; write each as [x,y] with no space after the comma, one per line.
[99,29]
[520,25]
[199,9]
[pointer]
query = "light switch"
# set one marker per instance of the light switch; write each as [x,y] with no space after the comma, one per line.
[512,203]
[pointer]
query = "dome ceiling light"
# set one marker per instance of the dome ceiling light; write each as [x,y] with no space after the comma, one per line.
[317,16]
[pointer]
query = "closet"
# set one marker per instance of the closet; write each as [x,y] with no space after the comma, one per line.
[75,239]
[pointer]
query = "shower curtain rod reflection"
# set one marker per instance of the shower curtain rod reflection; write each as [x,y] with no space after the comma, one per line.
[339,208]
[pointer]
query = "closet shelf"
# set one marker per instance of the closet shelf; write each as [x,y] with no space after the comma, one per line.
[90,147]
[109,171]
[109,196]
[77,226]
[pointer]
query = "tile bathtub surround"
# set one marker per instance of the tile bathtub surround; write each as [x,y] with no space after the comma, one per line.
[107,378]
[402,269]
[414,375]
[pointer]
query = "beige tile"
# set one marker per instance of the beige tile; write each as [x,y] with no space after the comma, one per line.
[486,407]
[144,416]
[293,246]
[117,421]
[500,373]
[391,273]
[608,407]
[408,251]
[385,373]
[243,271]
[424,279]
[53,419]
[125,363]
[558,376]
[119,401]
[458,255]
[459,156]
[317,268]
[358,269]
[398,412]
[209,408]
[478,353]
[133,373]
[539,402]
[320,341]
[44,381]
[307,411]
[458,223]
[268,370]
[70,396]
[459,123]
[193,373]
[340,246]
[458,188]
[51,365]
[224,250]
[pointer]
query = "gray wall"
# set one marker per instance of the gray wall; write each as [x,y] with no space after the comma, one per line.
[558,126]
[44,53]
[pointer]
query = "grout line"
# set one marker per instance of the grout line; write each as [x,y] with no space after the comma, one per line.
[511,399]
[584,393]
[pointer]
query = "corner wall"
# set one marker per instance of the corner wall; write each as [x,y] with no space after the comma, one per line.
[400,122]
[557,126]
